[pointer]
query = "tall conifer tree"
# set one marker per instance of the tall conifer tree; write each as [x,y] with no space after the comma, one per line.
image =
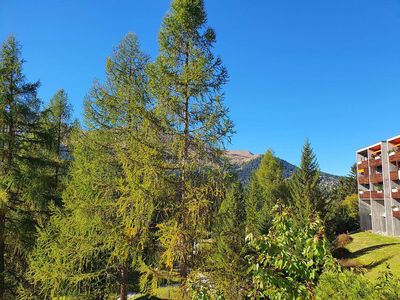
[19,204]
[304,185]
[265,188]
[186,81]
[55,131]
[227,264]
[109,201]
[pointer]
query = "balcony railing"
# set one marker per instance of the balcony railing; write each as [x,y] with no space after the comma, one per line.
[374,162]
[376,178]
[363,179]
[394,156]
[396,195]
[394,175]
[362,164]
[364,194]
[377,194]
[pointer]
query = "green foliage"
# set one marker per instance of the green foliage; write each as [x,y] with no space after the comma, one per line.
[25,187]
[304,185]
[287,262]
[266,188]
[148,190]
[102,233]
[347,184]
[226,265]
[72,251]
[186,81]
[353,286]
[201,289]
[343,285]
[342,213]
[56,129]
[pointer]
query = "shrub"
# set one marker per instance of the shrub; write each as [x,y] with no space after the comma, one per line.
[345,285]
[343,216]
[351,285]
[287,262]
[343,239]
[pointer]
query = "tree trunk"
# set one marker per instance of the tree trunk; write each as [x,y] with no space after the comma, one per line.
[123,285]
[184,267]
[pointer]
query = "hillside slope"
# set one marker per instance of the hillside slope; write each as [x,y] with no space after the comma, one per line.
[246,163]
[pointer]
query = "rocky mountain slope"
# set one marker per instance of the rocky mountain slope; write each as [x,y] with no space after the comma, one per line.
[246,163]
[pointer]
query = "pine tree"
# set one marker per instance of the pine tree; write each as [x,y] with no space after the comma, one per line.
[186,81]
[304,185]
[266,188]
[108,204]
[19,141]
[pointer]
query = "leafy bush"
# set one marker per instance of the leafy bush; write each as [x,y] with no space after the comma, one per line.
[287,262]
[342,217]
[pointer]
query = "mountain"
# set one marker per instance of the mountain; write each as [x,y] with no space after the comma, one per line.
[246,163]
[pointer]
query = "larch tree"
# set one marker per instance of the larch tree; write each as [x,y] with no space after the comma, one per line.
[58,126]
[304,185]
[265,189]
[19,161]
[109,202]
[186,81]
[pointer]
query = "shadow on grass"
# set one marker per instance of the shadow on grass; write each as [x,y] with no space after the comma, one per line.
[344,253]
[366,250]
[144,297]
[374,264]
[346,257]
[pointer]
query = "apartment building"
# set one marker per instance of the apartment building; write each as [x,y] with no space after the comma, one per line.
[378,177]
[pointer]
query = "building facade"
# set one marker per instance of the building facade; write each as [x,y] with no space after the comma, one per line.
[378,177]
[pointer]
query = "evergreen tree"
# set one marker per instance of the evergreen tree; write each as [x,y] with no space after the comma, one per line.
[109,201]
[352,179]
[58,119]
[54,130]
[304,185]
[19,160]
[265,188]
[186,81]
[227,264]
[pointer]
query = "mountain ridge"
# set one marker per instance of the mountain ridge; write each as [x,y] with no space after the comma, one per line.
[245,163]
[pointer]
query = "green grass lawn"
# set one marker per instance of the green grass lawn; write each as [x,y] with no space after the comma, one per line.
[374,252]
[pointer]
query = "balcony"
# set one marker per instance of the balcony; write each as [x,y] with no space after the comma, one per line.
[394,156]
[374,162]
[364,194]
[363,179]
[362,164]
[396,193]
[376,178]
[394,175]
[377,195]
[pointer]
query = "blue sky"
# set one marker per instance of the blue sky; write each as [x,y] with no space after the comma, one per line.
[324,70]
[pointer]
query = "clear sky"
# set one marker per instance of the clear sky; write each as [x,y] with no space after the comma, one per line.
[326,70]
